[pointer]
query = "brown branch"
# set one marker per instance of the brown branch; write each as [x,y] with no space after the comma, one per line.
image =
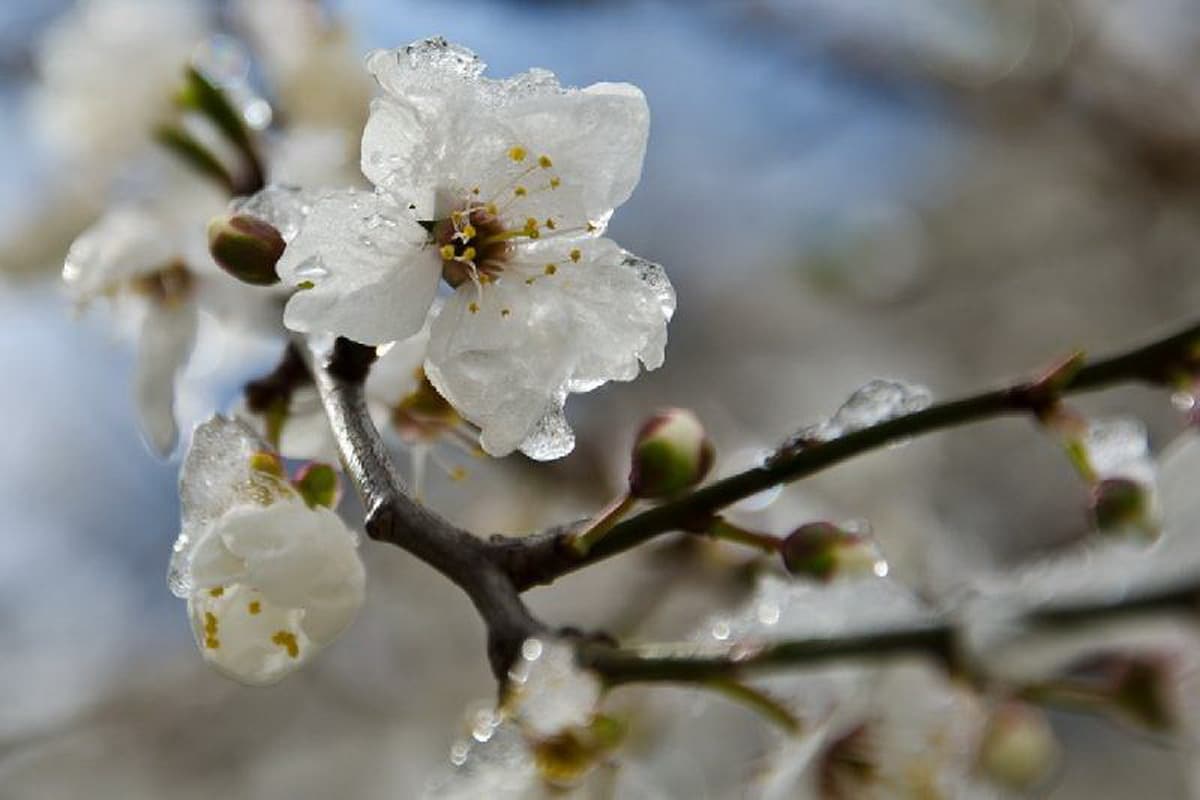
[545,557]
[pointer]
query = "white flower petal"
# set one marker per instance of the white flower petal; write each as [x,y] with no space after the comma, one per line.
[125,243]
[501,371]
[166,340]
[373,279]
[243,641]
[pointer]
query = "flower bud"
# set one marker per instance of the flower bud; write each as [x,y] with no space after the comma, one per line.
[1018,750]
[823,551]
[671,453]
[1121,505]
[246,247]
[318,484]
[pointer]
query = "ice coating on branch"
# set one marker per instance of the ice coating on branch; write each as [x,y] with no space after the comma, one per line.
[514,181]
[875,402]
[269,580]
[494,761]
[550,693]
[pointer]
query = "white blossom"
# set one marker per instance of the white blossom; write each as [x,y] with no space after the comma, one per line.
[91,105]
[516,180]
[269,580]
[153,261]
[550,693]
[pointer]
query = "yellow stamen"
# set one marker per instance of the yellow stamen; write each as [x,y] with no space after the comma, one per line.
[504,312]
[287,640]
[550,223]
[447,252]
[520,191]
[517,153]
[458,474]
[576,255]
[473,308]
[468,254]
[551,269]
[255,607]
[544,162]
[210,623]
[212,642]
[555,183]
[216,591]
[468,231]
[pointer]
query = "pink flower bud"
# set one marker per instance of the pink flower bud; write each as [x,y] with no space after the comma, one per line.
[246,247]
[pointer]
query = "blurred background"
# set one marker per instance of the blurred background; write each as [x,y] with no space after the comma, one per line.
[950,193]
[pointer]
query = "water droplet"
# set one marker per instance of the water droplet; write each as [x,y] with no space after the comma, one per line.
[1183,401]
[874,403]
[459,752]
[881,569]
[768,613]
[312,269]
[721,630]
[748,458]
[257,113]
[531,649]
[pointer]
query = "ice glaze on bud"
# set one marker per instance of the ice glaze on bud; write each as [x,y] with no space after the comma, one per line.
[1120,505]
[1018,750]
[246,247]
[823,551]
[671,453]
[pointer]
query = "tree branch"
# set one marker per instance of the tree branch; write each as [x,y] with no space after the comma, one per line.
[393,516]
[545,557]
[938,639]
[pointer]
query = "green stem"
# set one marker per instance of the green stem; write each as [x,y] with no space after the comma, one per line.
[584,540]
[724,529]
[758,700]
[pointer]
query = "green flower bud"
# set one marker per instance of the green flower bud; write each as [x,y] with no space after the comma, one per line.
[1019,750]
[246,247]
[823,551]
[671,453]
[318,484]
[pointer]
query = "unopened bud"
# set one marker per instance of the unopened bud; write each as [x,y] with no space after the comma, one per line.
[318,484]
[1121,505]
[1018,750]
[246,247]
[823,551]
[671,453]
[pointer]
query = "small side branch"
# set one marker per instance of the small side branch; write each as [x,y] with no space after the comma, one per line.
[544,558]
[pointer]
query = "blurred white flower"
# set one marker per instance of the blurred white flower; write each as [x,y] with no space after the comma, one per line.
[92,105]
[153,262]
[513,181]
[549,693]
[269,580]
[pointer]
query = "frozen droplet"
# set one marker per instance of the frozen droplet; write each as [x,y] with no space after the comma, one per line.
[654,277]
[433,55]
[872,404]
[378,220]
[551,439]
[1183,401]
[721,630]
[768,613]
[531,649]
[284,207]
[459,752]
[312,269]
[485,725]
[257,113]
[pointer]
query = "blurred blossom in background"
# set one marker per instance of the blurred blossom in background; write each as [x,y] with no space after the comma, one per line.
[945,193]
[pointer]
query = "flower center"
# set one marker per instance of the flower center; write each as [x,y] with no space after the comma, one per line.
[473,244]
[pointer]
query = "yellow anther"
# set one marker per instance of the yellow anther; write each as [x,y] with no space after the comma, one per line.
[474,190]
[555,183]
[468,254]
[544,162]
[216,591]
[491,209]
[550,223]
[485,279]
[210,623]
[504,312]
[473,308]
[447,251]
[529,281]
[287,640]
[517,153]
[531,224]
[212,642]
[456,216]
[520,191]
[458,474]
[591,228]
[468,231]
[550,269]
[576,255]
[255,607]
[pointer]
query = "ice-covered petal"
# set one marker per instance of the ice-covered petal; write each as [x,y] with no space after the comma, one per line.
[442,126]
[395,374]
[550,692]
[284,207]
[362,268]
[123,244]
[167,335]
[503,371]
